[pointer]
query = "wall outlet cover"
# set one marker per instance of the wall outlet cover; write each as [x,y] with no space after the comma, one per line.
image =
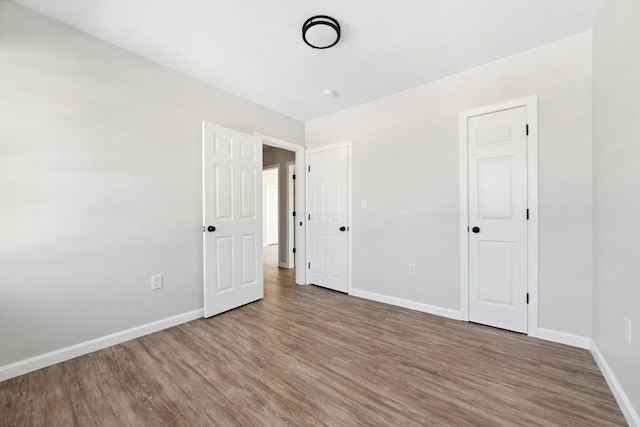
[156,282]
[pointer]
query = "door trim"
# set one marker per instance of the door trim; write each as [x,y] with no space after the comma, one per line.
[531,105]
[291,220]
[349,205]
[301,207]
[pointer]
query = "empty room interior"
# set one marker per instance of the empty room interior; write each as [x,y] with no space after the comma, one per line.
[328,213]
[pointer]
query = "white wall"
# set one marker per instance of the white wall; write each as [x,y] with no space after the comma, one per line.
[616,192]
[405,163]
[100,184]
[270,178]
[277,156]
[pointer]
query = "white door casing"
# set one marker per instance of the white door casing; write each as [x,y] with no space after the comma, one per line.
[497,144]
[300,203]
[232,213]
[291,207]
[328,215]
[530,104]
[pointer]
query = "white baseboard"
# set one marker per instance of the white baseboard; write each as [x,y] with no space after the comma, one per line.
[412,305]
[42,361]
[564,338]
[284,265]
[621,397]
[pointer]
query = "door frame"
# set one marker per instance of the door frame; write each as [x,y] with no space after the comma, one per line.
[531,105]
[291,223]
[301,207]
[264,201]
[349,205]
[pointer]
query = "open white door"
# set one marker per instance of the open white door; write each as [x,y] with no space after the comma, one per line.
[328,216]
[232,210]
[498,219]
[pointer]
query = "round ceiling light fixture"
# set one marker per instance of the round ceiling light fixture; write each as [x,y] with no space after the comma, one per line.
[321,32]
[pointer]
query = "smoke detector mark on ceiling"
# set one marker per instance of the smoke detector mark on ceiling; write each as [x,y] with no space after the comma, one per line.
[330,93]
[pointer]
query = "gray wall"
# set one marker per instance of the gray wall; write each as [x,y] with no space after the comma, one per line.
[100,184]
[616,190]
[276,156]
[405,163]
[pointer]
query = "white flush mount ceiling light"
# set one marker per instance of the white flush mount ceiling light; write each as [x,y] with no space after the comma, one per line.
[321,32]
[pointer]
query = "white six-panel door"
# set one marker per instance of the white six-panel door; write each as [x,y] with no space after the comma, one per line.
[328,217]
[497,161]
[232,210]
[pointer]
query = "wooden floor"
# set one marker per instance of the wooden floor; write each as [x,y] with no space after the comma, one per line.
[309,356]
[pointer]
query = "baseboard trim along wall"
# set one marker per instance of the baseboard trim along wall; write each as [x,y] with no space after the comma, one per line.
[38,362]
[412,305]
[564,338]
[621,397]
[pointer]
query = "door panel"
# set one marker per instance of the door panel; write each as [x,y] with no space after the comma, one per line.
[494,176]
[249,186]
[497,211]
[328,181]
[495,272]
[232,191]
[249,261]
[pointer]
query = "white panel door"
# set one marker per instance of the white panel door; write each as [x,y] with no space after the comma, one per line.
[498,219]
[232,209]
[327,210]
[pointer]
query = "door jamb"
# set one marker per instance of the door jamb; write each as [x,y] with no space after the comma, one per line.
[349,205]
[301,212]
[291,220]
[531,105]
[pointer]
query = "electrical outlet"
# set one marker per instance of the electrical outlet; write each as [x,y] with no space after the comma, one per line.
[412,269]
[156,282]
[627,330]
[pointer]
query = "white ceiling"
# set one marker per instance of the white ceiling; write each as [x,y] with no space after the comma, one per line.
[254,48]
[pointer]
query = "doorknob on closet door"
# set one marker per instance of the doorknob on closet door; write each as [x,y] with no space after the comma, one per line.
[343,228]
[476,229]
[211,229]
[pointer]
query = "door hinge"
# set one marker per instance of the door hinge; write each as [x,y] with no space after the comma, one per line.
[467,229]
[527,297]
[309,266]
[293,177]
[527,213]
[309,217]
[309,168]
[294,213]
[527,129]
[294,250]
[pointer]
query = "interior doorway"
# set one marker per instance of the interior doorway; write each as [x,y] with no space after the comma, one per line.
[277,208]
[329,214]
[499,215]
[296,214]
